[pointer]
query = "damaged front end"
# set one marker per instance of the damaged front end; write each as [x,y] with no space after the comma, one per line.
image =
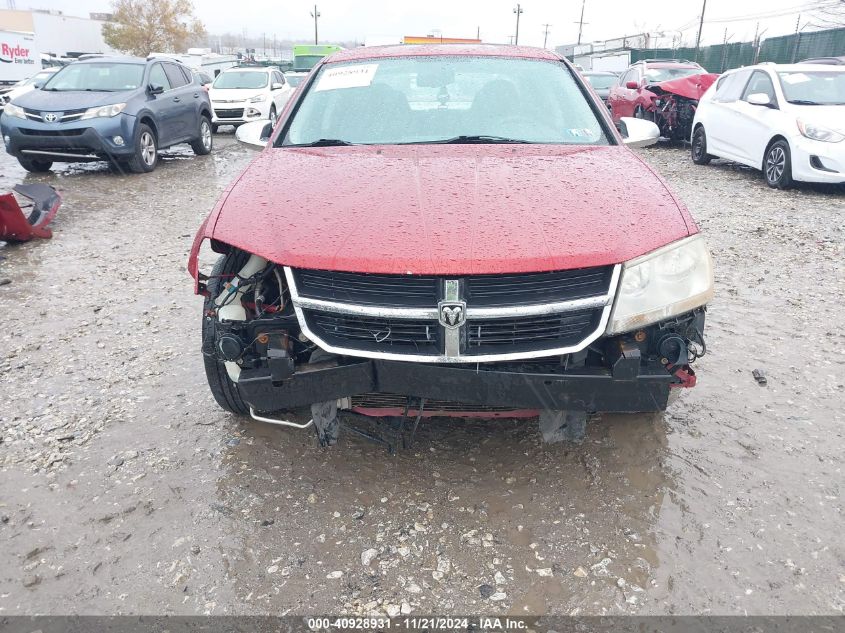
[672,104]
[569,342]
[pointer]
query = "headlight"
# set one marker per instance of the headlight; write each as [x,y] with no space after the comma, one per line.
[665,283]
[10,109]
[109,110]
[819,133]
[258,99]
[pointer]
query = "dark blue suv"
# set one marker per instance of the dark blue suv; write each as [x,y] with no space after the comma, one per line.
[119,109]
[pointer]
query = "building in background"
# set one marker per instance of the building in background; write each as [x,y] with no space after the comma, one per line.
[50,37]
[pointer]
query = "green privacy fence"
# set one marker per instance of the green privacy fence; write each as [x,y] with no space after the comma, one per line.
[781,50]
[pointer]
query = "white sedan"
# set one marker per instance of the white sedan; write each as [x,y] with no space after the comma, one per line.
[786,119]
[243,94]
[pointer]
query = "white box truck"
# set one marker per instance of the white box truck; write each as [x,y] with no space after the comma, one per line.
[19,56]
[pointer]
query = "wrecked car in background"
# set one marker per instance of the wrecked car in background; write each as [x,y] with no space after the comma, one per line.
[467,259]
[665,91]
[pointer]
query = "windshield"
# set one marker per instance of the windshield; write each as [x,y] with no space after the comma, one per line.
[817,87]
[97,76]
[656,75]
[294,80]
[246,79]
[445,99]
[601,82]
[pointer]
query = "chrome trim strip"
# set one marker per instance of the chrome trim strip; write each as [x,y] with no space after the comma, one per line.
[539,309]
[62,154]
[360,310]
[487,358]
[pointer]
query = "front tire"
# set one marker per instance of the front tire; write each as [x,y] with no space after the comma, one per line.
[204,142]
[35,166]
[777,165]
[145,157]
[224,390]
[699,147]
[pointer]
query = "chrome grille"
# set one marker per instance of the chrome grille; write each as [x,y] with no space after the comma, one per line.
[412,317]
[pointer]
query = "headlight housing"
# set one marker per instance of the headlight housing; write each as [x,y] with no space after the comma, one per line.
[258,98]
[10,109]
[818,132]
[664,283]
[104,111]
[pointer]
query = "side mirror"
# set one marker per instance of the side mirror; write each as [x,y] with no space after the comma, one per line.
[255,134]
[277,86]
[632,85]
[154,89]
[638,132]
[760,99]
[38,85]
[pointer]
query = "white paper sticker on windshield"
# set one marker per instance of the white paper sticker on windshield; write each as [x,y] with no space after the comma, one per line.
[794,78]
[356,76]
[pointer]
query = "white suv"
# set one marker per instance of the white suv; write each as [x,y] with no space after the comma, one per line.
[240,95]
[786,119]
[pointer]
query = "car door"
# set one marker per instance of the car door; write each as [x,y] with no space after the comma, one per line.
[720,124]
[628,96]
[616,97]
[753,125]
[183,95]
[280,95]
[162,107]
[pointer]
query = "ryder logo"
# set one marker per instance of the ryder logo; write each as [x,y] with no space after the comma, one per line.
[15,54]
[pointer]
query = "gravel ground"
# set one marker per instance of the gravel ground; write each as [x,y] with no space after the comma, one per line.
[124,489]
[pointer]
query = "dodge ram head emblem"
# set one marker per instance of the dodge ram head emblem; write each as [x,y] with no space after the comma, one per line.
[452,313]
[50,117]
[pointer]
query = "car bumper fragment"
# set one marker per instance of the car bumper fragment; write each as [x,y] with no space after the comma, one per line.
[629,387]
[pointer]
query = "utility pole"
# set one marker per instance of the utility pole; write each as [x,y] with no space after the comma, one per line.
[478,32]
[518,12]
[797,38]
[545,34]
[700,26]
[315,14]
[581,21]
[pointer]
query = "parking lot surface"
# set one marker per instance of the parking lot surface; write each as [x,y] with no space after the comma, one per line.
[124,489]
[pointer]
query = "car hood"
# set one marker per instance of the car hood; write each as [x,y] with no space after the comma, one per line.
[69,100]
[692,87]
[829,116]
[449,209]
[233,94]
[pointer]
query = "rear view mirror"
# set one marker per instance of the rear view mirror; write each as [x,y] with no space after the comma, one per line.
[632,85]
[255,134]
[435,77]
[638,132]
[759,99]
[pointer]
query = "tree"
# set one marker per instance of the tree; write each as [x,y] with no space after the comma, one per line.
[140,27]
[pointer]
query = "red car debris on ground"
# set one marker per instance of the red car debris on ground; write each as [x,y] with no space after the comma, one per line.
[664,91]
[442,229]
[17,226]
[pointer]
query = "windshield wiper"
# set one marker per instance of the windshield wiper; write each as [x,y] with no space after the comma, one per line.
[803,102]
[469,138]
[322,142]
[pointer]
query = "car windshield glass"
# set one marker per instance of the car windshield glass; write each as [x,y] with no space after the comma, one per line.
[97,76]
[655,75]
[294,80]
[445,99]
[601,82]
[241,79]
[817,87]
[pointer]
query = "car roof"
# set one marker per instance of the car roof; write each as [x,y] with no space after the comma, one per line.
[461,50]
[120,59]
[671,64]
[249,69]
[802,67]
[598,72]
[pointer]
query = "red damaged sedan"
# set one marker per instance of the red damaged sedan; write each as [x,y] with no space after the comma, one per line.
[449,230]
[665,91]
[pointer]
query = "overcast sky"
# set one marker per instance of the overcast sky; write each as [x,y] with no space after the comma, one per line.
[343,20]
